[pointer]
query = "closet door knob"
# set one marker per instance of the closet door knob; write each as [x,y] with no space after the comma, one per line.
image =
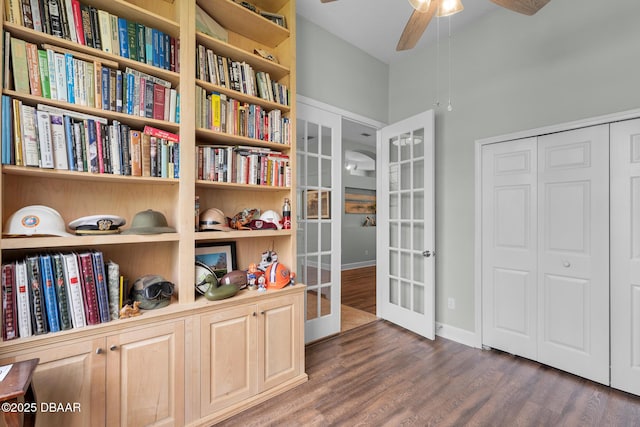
[567,264]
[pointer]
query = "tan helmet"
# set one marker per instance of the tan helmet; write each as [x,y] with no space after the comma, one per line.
[35,220]
[213,219]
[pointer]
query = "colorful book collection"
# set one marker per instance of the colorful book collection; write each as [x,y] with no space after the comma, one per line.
[96,28]
[48,137]
[56,292]
[73,77]
[243,165]
[217,112]
[239,76]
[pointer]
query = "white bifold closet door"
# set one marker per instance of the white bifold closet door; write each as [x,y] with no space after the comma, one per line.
[545,233]
[625,256]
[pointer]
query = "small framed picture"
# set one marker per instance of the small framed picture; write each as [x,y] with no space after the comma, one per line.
[219,256]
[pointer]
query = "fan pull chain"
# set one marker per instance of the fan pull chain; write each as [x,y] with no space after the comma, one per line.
[437,101]
[450,107]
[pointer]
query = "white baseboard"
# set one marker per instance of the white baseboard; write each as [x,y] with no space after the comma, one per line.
[361,264]
[458,335]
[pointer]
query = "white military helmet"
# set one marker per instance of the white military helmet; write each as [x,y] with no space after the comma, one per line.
[273,217]
[36,220]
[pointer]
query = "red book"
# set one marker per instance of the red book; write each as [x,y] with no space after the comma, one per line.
[77,18]
[34,69]
[159,133]
[89,289]
[10,320]
[158,101]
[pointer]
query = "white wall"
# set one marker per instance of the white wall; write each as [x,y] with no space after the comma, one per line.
[572,60]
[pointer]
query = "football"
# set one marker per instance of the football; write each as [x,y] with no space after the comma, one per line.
[235,277]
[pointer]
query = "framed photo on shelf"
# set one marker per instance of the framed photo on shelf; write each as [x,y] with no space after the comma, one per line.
[317,209]
[219,256]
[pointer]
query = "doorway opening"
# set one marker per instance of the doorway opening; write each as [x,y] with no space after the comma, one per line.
[358,231]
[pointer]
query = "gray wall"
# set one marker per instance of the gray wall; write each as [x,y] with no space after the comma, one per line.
[572,60]
[332,71]
[358,242]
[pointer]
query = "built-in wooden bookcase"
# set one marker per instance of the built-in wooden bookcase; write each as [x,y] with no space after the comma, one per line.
[76,194]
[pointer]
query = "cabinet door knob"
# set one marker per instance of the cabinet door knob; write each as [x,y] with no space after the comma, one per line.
[254,314]
[262,312]
[113,347]
[98,350]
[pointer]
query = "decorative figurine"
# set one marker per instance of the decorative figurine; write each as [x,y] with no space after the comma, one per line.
[262,284]
[128,311]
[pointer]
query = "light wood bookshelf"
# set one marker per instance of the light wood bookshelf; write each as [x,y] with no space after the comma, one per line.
[75,194]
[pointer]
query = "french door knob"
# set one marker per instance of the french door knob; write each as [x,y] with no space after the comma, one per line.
[427,254]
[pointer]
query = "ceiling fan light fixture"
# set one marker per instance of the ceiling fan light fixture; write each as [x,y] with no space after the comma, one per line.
[449,7]
[420,5]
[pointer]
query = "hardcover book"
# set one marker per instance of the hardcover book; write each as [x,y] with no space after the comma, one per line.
[62,296]
[10,317]
[74,286]
[19,62]
[49,290]
[101,286]
[89,288]
[45,140]
[113,284]
[36,296]
[23,303]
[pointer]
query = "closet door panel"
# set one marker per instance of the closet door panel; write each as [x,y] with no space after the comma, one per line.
[625,256]
[573,263]
[509,246]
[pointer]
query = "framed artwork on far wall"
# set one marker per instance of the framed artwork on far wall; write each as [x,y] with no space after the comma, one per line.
[219,256]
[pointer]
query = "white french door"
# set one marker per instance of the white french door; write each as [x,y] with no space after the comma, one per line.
[318,191]
[406,225]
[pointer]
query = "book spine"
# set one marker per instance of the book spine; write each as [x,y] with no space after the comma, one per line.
[33,69]
[9,319]
[53,84]
[119,91]
[116,152]
[141,43]
[126,149]
[113,281]
[123,37]
[77,19]
[70,78]
[74,286]
[106,90]
[157,101]
[27,16]
[92,146]
[95,28]
[99,146]
[55,18]
[61,292]
[43,66]
[38,308]
[28,122]
[49,289]
[22,300]
[115,36]
[104,21]
[101,286]
[71,20]
[60,71]
[161,133]
[136,153]
[132,40]
[58,137]
[89,288]
[86,25]
[45,139]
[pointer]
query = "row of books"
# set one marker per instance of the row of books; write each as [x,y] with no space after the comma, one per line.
[239,76]
[76,78]
[217,112]
[97,28]
[54,138]
[243,165]
[56,292]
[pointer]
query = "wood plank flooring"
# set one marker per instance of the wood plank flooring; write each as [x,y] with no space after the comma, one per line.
[382,375]
[359,288]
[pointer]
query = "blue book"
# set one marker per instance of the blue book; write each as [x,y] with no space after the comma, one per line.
[123,37]
[68,134]
[49,288]
[130,91]
[71,82]
[178,108]
[101,286]
[92,155]
[161,52]
[118,91]
[156,47]
[176,160]
[106,92]
[164,159]
[148,45]
[167,52]
[6,130]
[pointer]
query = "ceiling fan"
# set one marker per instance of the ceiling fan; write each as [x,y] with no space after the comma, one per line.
[424,10]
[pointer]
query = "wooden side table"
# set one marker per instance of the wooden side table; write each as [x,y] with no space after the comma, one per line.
[17,383]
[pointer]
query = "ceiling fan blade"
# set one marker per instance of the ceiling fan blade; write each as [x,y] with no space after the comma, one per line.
[326,1]
[526,7]
[418,22]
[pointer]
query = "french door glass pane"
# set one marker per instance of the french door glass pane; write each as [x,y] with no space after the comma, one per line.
[326,141]
[312,138]
[394,292]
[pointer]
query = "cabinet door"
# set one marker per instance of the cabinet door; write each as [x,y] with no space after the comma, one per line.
[280,338]
[573,272]
[72,375]
[145,376]
[228,358]
[625,256]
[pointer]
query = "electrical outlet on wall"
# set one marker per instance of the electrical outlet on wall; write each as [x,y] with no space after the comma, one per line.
[451,303]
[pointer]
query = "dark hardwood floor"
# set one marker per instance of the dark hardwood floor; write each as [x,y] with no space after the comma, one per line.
[359,288]
[382,375]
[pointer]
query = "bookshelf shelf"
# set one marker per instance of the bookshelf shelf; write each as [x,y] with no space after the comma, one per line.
[239,187]
[84,241]
[276,70]
[243,97]
[85,176]
[240,234]
[210,136]
[236,18]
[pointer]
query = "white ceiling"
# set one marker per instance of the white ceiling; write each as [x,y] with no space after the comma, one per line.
[375,26]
